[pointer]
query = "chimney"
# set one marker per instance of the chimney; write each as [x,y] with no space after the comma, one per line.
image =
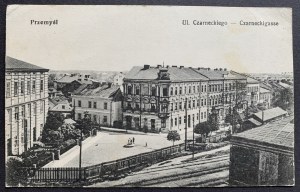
[181,67]
[167,66]
[146,66]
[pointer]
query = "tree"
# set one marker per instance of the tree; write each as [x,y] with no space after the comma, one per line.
[85,124]
[213,120]
[285,99]
[173,136]
[203,129]
[53,123]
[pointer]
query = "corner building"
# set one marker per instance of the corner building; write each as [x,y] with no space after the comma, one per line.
[26,105]
[164,98]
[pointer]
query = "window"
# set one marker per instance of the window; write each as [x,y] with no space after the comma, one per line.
[197,116]
[63,107]
[204,114]
[105,119]
[16,87]
[28,87]
[179,121]
[8,89]
[171,106]
[95,105]
[153,91]
[180,90]
[176,105]
[201,102]
[171,122]
[90,104]
[129,90]
[194,104]
[190,89]
[198,103]
[165,91]
[164,108]
[201,115]
[163,123]
[194,89]
[153,124]
[23,111]
[105,105]
[175,90]
[137,106]
[175,122]
[79,103]
[180,105]
[184,90]
[137,90]
[190,104]
[171,92]
[95,118]
[42,85]
[152,107]
[33,86]
[205,88]
[202,88]
[79,116]
[16,113]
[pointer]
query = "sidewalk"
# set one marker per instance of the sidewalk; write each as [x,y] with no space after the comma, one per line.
[73,152]
[129,131]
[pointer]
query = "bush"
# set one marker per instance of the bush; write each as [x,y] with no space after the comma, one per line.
[15,173]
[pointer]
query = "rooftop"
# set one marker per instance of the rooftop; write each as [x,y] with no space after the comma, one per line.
[175,73]
[263,90]
[105,91]
[278,133]
[12,64]
[270,113]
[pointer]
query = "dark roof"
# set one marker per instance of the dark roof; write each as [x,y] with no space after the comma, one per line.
[257,123]
[105,91]
[67,79]
[12,64]
[278,132]
[176,74]
[270,113]
[210,74]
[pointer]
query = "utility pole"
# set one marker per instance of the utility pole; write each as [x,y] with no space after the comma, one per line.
[80,154]
[193,137]
[185,141]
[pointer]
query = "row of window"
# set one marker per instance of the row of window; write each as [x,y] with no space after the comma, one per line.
[19,88]
[21,111]
[93,118]
[178,121]
[92,104]
[252,89]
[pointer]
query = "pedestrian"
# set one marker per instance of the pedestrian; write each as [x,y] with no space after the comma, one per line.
[146,144]
[133,140]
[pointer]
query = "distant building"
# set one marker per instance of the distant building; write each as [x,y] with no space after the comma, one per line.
[164,98]
[102,102]
[26,104]
[118,79]
[63,107]
[263,155]
[265,96]
[253,88]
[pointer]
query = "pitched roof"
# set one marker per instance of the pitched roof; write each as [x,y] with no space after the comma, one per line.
[104,91]
[278,133]
[175,74]
[210,74]
[12,64]
[270,113]
[257,123]
[263,90]
[67,79]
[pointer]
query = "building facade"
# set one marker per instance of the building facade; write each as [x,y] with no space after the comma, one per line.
[103,103]
[164,98]
[26,104]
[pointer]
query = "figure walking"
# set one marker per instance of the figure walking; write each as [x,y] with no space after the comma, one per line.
[133,140]
[146,144]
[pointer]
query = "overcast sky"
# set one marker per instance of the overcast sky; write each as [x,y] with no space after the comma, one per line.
[115,38]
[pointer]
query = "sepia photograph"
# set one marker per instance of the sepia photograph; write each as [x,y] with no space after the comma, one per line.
[103,96]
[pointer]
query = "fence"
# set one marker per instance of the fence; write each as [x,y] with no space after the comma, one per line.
[106,169]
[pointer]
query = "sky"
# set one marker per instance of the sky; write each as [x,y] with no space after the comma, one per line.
[116,38]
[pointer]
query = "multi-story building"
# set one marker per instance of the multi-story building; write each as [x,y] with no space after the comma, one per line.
[103,103]
[26,104]
[118,79]
[160,99]
[265,96]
